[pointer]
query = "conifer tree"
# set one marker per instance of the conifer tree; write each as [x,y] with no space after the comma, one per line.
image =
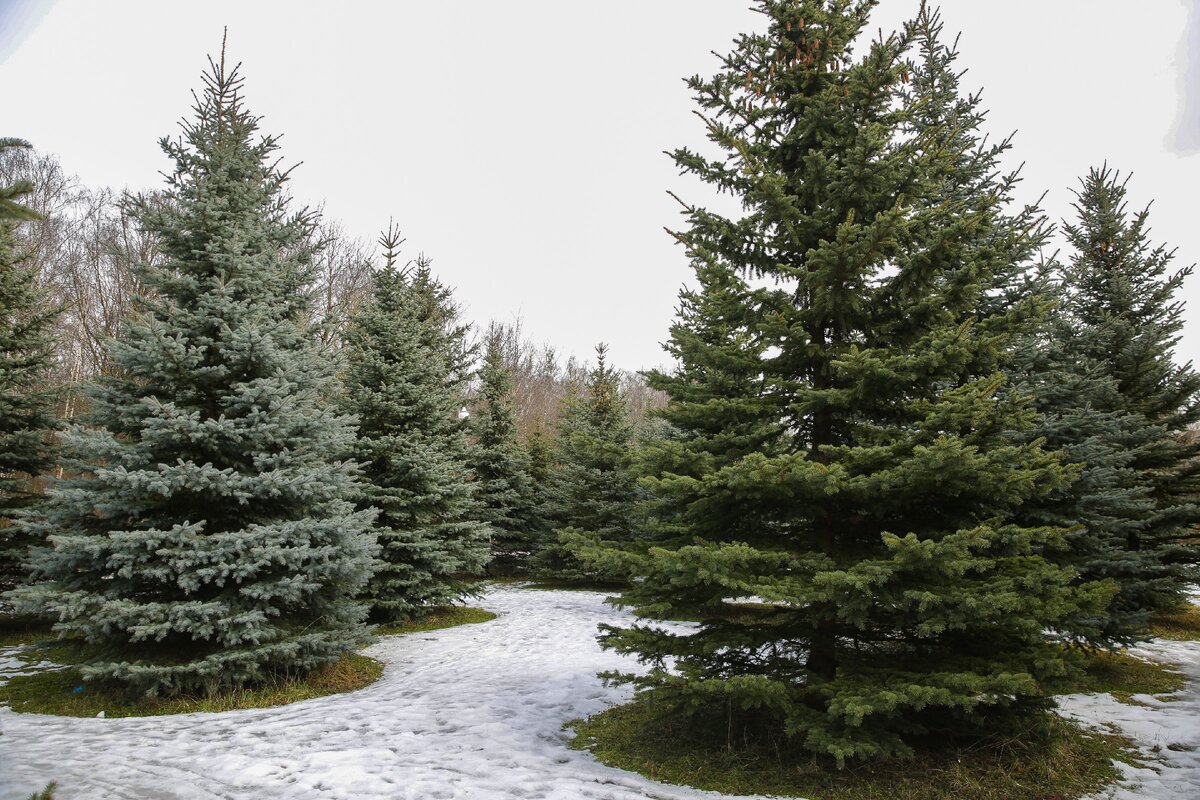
[842,448]
[500,464]
[1082,415]
[26,405]
[1122,315]
[541,460]
[205,539]
[592,486]
[406,382]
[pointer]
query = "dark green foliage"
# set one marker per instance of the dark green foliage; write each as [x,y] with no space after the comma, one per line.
[592,488]
[541,460]
[406,383]
[204,538]
[840,444]
[503,484]
[26,404]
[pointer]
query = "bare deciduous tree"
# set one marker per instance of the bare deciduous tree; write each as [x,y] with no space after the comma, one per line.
[543,382]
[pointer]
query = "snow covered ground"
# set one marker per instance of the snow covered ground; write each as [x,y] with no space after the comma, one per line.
[473,713]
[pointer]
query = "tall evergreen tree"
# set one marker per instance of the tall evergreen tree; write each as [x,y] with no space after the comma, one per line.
[504,487]
[205,538]
[26,405]
[406,384]
[1122,315]
[592,488]
[1082,415]
[842,449]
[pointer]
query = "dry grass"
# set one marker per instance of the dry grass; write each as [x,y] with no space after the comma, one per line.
[1123,676]
[64,693]
[1179,626]
[436,619]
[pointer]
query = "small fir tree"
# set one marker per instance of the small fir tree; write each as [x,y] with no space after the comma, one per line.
[841,448]
[27,420]
[406,383]
[1123,315]
[592,488]
[205,539]
[500,463]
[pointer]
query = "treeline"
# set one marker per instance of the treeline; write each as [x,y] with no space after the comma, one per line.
[937,459]
[84,250]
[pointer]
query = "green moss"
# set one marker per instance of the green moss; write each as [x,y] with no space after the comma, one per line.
[1123,676]
[1056,759]
[57,691]
[438,618]
[1179,626]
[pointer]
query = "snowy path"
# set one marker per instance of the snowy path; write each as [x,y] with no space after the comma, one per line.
[471,713]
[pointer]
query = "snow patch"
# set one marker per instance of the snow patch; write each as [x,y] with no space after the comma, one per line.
[473,712]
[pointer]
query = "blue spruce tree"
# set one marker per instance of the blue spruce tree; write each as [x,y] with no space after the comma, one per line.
[205,538]
[1120,320]
[406,383]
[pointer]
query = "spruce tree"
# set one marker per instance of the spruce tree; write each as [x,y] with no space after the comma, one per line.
[1122,314]
[500,463]
[541,461]
[405,382]
[1082,415]
[204,539]
[592,488]
[842,448]
[27,418]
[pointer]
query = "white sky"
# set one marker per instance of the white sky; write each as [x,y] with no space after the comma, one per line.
[520,143]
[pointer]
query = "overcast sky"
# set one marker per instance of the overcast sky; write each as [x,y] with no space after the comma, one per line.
[519,144]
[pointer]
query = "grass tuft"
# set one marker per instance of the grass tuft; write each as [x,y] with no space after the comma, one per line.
[1056,760]
[436,619]
[1178,626]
